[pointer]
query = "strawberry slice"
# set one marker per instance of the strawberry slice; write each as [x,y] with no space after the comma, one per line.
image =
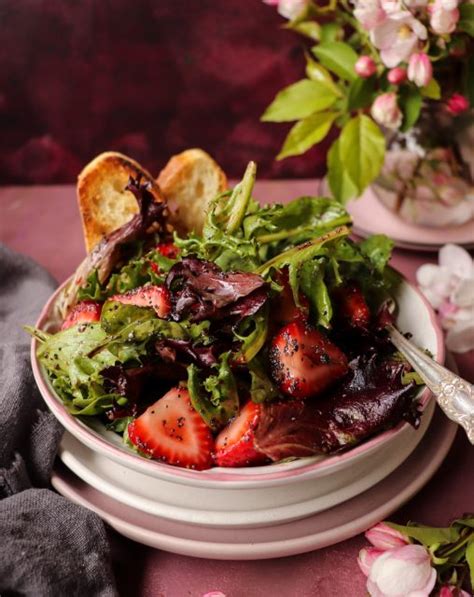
[169,250]
[284,306]
[235,443]
[157,297]
[172,431]
[351,306]
[83,312]
[303,362]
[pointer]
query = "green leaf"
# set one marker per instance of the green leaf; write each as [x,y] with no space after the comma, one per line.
[261,386]
[306,133]
[311,282]
[252,333]
[432,90]
[310,29]
[361,93]
[427,535]
[115,316]
[216,399]
[330,32]
[377,249]
[470,560]
[299,101]
[410,103]
[338,57]
[340,182]
[361,150]
[466,21]
[317,72]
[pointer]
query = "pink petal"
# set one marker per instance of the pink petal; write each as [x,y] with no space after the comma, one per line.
[384,537]
[426,590]
[457,259]
[463,296]
[367,557]
[399,52]
[426,274]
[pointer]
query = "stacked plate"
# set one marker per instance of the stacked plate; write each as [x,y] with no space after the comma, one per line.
[258,512]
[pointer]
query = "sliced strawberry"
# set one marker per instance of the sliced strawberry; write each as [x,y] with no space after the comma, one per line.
[284,306]
[83,312]
[169,250]
[157,297]
[172,431]
[351,306]
[235,443]
[304,362]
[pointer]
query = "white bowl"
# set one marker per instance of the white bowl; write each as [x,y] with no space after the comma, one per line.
[246,496]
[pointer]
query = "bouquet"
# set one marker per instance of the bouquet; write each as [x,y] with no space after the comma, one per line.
[373,67]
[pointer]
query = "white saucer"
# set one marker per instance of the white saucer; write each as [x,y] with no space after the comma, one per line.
[320,530]
[370,216]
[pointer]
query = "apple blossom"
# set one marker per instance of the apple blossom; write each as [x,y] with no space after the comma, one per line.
[386,112]
[365,67]
[443,21]
[420,70]
[402,572]
[397,75]
[397,37]
[369,13]
[384,537]
[457,104]
[449,287]
[367,557]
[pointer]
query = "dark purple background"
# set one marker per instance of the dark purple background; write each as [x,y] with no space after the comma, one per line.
[148,78]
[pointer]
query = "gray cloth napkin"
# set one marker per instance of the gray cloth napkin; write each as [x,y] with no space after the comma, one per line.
[48,546]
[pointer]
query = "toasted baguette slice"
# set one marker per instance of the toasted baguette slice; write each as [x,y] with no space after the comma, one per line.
[104,203]
[189,181]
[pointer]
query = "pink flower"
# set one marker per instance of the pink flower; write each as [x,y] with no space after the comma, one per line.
[365,67]
[397,37]
[449,287]
[457,104]
[448,591]
[369,13]
[397,75]
[420,70]
[402,572]
[367,557]
[386,112]
[215,593]
[384,537]
[443,21]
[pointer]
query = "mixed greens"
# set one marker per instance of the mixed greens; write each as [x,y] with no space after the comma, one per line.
[205,314]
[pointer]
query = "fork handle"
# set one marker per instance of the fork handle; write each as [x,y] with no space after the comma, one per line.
[454,394]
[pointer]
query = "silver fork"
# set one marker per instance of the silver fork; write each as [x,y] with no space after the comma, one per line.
[454,394]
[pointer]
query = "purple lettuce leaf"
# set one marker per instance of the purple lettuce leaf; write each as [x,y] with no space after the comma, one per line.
[371,399]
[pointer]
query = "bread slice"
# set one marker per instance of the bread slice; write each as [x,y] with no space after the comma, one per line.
[189,181]
[104,203]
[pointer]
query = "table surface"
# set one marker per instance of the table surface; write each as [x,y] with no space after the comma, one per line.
[43,222]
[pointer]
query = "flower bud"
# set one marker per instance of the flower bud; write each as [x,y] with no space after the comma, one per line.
[443,21]
[404,570]
[457,104]
[365,67]
[397,75]
[448,591]
[420,70]
[384,537]
[367,557]
[386,112]
[291,9]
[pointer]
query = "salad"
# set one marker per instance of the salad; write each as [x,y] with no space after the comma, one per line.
[259,340]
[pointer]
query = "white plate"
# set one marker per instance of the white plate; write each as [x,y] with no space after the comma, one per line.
[370,216]
[320,530]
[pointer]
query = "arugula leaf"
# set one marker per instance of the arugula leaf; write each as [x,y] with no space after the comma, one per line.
[216,398]
[377,249]
[252,333]
[262,388]
[299,100]
[295,222]
[312,284]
